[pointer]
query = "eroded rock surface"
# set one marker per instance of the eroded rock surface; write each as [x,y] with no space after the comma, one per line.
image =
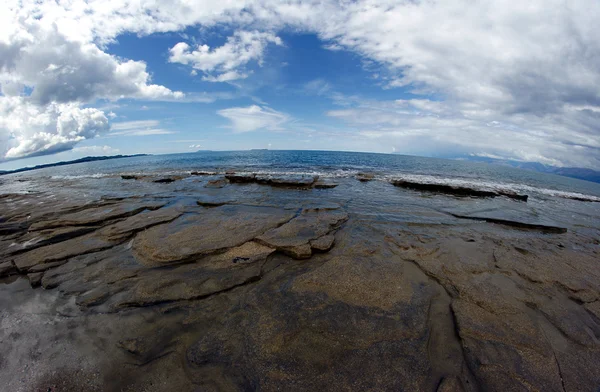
[286,287]
[457,190]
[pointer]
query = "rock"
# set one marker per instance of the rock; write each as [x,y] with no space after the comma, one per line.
[320,184]
[214,230]
[514,223]
[220,183]
[294,237]
[202,173]
[322,244]
[513,195]
[288,181]
[241,177]
[129,177]
[213,274]
[456,190]
[167,180]
[99,214]
[141,221]
[365,177]
[7,268]
[442,188]
[36,239]
[9,228]
[61,251]
[35,279]
[46,266]
[213,201]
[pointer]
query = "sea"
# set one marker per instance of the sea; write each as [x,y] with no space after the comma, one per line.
[327,164]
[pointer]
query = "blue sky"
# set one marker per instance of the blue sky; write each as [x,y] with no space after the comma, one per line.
[423,78]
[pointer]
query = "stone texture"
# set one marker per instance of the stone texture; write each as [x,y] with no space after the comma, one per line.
[100,214]
[294,237]
[213,230]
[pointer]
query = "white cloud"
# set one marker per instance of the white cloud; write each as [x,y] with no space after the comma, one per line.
[424,127]
[29,130]
[46,76]
[532,67]
[138,128]
[221,64]
[105,150]
[254,117]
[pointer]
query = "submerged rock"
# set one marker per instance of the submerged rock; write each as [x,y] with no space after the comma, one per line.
[220,183]
[321,184]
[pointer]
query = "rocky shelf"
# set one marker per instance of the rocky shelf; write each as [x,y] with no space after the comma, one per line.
[219,285]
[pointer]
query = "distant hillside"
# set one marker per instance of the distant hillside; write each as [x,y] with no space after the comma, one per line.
[573,172]
[81,160]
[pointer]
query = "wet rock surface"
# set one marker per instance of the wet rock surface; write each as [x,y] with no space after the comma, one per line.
[457,190]
[287,287]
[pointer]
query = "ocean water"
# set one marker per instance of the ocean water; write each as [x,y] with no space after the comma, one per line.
[326,164]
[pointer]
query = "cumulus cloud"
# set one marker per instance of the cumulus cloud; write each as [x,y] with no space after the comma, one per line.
[424,127]
[46,77]
[254,117]
[31,130]
[222,64]
[520,78]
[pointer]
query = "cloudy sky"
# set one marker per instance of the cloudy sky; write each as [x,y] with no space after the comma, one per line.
[453,78]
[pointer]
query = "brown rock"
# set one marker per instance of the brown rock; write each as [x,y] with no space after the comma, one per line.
[294,237]
[216,229]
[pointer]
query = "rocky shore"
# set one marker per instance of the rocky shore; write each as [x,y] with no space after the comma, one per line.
[243,281]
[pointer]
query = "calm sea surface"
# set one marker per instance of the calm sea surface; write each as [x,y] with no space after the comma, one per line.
[330,164]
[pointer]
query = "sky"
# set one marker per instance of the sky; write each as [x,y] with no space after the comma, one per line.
[454,78]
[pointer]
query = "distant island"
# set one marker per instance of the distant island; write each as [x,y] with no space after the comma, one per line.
[573,172]
[64,163]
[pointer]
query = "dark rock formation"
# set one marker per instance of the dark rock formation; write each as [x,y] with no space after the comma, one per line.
[365,177]
[456,190]
[241,177]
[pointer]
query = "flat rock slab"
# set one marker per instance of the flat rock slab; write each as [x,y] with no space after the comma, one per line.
[295,237]
[36,239]
[219,183]
[7,268]
[456,190]
[322,184]
[213,201]
[210,275]
[62,250]
[290,181]
[514,218]
[241,177]
[95,215]
[140,222]
[213,230]
[365,177]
